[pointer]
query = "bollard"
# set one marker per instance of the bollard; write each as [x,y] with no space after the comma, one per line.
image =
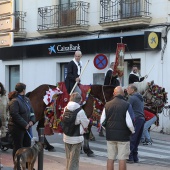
[41,154]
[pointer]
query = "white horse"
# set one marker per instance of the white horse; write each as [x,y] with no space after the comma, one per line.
[155,97]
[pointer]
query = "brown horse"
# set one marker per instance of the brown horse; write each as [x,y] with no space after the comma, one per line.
[103,93]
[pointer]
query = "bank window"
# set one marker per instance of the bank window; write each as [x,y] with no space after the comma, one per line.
[63,71]
[98,78]
[14,76]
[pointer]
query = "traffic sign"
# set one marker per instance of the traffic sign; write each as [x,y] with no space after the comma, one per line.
[7,7]
[7,23]
[6,39]
[100,61]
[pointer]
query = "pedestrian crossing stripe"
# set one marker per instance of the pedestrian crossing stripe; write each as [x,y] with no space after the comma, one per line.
[82,159]
[156,150]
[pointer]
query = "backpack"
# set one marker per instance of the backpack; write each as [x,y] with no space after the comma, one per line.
[68,123]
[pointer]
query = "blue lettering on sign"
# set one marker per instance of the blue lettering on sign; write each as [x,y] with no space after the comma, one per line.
[64,49]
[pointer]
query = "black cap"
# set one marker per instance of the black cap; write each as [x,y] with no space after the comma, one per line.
[20,87]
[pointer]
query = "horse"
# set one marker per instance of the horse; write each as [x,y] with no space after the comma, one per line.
[103,93]
[99,92]
[155,97]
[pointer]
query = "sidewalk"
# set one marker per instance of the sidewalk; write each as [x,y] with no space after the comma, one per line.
[57,163]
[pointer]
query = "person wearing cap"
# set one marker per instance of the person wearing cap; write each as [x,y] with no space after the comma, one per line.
[21,118]
[73,72]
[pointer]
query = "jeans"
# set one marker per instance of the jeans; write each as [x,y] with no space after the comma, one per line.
[145,135]
[135,139]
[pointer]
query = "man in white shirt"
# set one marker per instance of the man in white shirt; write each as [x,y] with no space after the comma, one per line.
[75,123]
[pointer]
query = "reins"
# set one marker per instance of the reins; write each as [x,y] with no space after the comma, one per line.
[103,94]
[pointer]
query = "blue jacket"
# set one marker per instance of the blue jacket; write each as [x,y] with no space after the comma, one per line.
[137,102]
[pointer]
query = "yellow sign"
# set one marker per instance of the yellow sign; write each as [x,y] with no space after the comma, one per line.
[153,40]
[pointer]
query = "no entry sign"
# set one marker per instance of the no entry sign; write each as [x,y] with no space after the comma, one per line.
[100,61]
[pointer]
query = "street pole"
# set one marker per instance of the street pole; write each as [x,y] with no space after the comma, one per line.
[41,153]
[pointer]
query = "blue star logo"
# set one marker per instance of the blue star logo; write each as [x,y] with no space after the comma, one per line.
[52,49]
[153,40]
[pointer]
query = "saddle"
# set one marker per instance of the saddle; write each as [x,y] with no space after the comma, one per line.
[54,110]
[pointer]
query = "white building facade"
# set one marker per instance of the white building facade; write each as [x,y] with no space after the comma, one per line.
[48,33]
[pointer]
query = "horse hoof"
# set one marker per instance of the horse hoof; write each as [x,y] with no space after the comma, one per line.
[90,155]
[50,149]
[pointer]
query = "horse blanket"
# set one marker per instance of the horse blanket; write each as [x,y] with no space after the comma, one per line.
[57,99]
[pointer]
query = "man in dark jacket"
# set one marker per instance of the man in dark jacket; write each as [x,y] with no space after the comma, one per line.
[134,75]
[73,73]
[21,118]
[118,115]
[136,100]
[111,79]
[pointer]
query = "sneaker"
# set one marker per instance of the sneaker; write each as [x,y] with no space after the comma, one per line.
[145,143]
[136,161]
[129,161]
[142,141]
[149,143]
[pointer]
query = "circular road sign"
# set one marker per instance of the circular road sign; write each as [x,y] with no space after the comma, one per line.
[100,61]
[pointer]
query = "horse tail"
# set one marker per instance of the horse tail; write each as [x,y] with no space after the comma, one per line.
[28,94]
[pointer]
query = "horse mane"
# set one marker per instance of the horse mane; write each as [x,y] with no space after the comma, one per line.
[102,92]
[41,88]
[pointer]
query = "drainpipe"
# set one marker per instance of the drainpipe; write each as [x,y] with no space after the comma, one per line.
[165,39]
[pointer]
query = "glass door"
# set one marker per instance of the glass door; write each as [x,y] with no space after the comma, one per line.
[14,76]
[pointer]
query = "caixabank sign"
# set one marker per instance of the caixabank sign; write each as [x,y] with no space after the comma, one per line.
[93,46]
[152,40]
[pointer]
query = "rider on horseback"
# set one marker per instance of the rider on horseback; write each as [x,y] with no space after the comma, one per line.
[73,73]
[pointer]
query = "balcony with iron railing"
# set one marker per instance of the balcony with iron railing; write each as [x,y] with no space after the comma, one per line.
[117,14]
[64,18]
[20,31]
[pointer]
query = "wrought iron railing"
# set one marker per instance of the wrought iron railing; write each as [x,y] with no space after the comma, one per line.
[52,17]
[20,21]
[113,10]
